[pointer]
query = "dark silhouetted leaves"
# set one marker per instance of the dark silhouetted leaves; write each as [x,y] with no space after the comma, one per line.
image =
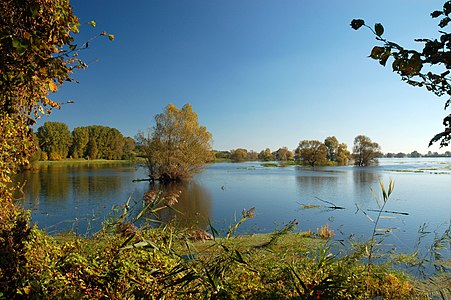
[384,57]
[376,53]
[444,22]
[444,138]
[409,63]
[357,23]
[436,14]
[379,29]
[447,7]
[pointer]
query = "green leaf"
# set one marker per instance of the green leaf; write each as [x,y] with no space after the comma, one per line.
[239,257]
[111,37]
[379,29]
[34,9]
[357,23]
[92,23]
[16,43]
[19,45]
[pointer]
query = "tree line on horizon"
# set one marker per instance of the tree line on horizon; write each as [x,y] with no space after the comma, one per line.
[57,142]
[328,153]
[313,153]
[416,154]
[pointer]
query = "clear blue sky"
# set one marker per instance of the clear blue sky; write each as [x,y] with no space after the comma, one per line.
[258,73]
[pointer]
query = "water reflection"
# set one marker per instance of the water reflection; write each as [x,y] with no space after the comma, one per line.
[314,186]
[364,176]
[194,203]
[75,196]
[59,196]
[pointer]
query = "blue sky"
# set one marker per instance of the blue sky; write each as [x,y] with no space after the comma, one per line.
[258,73]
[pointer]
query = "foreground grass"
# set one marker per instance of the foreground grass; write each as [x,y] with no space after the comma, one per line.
[123,262]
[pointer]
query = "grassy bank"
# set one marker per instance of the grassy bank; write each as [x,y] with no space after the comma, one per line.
[69,162]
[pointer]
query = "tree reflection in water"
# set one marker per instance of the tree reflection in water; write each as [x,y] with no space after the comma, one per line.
[194,204]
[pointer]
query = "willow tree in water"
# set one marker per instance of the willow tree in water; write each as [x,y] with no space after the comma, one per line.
[177,147]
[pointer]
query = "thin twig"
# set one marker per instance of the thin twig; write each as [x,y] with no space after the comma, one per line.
[328,202]
[390,212]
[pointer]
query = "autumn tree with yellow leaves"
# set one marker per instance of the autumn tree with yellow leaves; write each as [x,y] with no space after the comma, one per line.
[177,147]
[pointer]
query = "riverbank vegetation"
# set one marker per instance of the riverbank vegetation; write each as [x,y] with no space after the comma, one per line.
[69,162]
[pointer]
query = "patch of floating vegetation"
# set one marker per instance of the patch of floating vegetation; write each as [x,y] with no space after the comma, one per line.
[309,206]
[246,168]
[270,165]
[408,171]
[429,171]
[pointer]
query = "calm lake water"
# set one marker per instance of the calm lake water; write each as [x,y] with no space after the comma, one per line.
[80,198]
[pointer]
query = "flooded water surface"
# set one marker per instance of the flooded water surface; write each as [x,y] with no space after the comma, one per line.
[80,198]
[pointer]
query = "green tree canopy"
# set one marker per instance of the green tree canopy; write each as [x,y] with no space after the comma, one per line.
[331,143]
[222,154]
[427,68]
[129,148]
[265,155]
[54,139]
[337,152]
[100,142]
[178,146]
[343,155]
[365,151]
[415,154]
[238,155]
[283,154]
[80,140]
[311,152]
